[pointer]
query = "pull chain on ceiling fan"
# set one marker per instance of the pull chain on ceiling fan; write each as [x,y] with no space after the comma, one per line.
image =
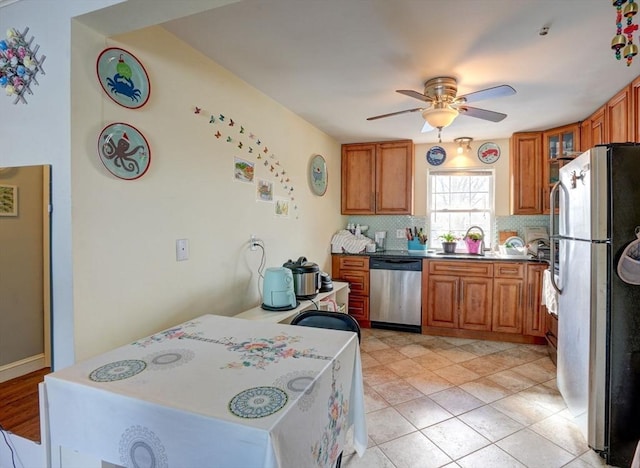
[445,105]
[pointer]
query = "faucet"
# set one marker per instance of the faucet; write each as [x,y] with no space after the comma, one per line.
[481,252]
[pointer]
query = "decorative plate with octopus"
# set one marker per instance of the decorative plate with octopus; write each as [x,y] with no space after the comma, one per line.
[124,151]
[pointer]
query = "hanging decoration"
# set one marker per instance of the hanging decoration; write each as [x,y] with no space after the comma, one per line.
[622,43]
[229,131]
[19,64]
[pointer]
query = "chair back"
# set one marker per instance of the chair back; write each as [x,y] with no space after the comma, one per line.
[324,319]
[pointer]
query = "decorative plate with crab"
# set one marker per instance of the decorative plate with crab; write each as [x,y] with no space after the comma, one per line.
[124,151]
[123,77]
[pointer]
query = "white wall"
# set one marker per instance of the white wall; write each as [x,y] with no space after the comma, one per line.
[464,161]
[127,281]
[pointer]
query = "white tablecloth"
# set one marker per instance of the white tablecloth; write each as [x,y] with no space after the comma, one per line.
[214,391]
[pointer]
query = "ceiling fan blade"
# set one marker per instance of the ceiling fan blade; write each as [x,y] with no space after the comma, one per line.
[414,94]
[489,93]
[426,128]
[482,113]
[395,113]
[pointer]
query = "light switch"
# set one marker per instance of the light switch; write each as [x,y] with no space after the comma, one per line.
[182,249]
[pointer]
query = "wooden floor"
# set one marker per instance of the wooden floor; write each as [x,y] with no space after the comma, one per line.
[19,405]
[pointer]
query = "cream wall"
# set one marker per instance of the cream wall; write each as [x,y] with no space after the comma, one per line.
[464,161]
[127,281]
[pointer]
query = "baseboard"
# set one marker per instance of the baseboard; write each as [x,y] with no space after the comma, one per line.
[22,367]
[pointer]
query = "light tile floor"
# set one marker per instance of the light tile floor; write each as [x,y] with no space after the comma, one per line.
[436,401]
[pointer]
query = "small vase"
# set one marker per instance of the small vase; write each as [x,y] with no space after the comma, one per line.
[473,246]
[449,247]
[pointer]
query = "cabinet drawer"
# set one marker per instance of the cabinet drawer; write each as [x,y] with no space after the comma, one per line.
[354,263]
[359,308]
[480,268]
[358,281]
[509,270]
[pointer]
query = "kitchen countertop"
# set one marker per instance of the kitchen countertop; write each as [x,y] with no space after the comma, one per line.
[439,255]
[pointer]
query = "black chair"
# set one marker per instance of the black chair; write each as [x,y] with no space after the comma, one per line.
[324,319]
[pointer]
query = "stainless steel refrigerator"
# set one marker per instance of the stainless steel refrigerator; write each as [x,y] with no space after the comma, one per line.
[598,312]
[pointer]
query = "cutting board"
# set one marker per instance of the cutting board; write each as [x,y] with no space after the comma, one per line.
[504,235]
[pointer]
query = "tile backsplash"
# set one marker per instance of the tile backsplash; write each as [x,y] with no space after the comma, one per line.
[391,224]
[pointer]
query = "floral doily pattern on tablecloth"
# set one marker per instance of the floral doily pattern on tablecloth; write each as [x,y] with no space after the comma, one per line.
[140,447]
[169,359]
[170,334]
[258,402]
[327,450]
[300,383]
[260,352]
[118,370]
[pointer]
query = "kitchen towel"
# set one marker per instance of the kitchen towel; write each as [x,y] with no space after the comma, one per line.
[345,242]
[549,294]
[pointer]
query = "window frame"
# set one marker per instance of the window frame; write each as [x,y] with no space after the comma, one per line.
[434,241]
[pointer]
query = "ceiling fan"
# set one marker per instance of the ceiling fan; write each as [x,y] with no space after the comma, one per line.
[445,105]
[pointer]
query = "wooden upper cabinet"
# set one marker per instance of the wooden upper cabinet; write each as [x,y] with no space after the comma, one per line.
[598,128]
[559,146]
[358,178]
[394,178]
[585,135]
[619,118]
[526,157]
[635,109]
[378,178]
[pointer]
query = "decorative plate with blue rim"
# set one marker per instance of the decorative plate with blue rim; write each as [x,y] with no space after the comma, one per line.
[123,77]
[488,152]
[318,177]
[258,402]
[118,370]
[436,155]
[124,151]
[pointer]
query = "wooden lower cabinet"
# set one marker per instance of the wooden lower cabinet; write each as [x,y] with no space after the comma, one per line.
[482,300]
[552,336]
[534,312]
[354,269]
[508,296]
[457,295]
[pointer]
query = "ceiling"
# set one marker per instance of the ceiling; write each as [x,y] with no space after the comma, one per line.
[337,62]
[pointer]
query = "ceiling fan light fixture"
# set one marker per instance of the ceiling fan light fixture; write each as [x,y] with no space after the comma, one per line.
[439,116]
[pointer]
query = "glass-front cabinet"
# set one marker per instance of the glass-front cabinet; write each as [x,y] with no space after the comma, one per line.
[560,145]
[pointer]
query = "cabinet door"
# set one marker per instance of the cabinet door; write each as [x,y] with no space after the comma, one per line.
[619,117]
[475,303]
[394,178]
[534,314]
[442,301]
[635,109]
[358,178]
[507,305]
[526,160]
[585,135]
[598,128]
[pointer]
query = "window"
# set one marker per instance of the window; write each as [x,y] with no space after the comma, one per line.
[457,200]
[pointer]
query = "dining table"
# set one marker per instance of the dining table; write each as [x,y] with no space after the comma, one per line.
[214,391]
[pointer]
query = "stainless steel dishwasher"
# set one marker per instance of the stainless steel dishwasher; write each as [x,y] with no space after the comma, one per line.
[395,293]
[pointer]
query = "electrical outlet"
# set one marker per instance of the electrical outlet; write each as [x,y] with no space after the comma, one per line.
[182,249]
[253,241]
[401,233]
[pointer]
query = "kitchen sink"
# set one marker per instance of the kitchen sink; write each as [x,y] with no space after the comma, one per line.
[487,256]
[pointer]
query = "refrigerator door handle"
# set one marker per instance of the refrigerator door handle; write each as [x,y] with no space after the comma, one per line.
[552,210]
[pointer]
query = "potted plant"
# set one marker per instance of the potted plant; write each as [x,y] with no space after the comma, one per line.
[449,242]
[473,241]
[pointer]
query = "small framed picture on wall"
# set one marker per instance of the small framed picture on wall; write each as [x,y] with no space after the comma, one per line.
[8,200]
